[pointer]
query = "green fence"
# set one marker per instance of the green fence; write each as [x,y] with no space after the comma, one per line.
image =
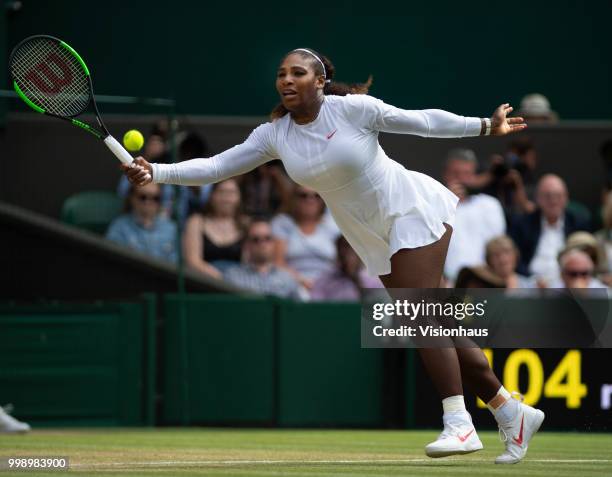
[267,362]
[223,360]
[227,360]
[219,360]
[325,377]
[79,364]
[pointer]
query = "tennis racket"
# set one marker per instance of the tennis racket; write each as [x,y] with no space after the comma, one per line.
[51,78]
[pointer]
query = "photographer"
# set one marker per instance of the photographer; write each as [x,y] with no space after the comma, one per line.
[510,177]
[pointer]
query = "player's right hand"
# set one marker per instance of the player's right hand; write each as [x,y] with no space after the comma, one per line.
[139,172]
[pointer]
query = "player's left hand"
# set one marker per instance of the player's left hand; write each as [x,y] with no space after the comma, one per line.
[502,125]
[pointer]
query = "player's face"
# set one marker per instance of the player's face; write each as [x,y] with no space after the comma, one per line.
[297,84]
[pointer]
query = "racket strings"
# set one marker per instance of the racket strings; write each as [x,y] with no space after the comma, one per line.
[51,77]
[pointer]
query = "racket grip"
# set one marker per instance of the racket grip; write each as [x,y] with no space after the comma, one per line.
[118,150]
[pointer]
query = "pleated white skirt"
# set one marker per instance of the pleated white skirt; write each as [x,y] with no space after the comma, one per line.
[389,208]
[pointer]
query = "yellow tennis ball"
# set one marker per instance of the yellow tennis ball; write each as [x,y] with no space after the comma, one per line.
[133,140]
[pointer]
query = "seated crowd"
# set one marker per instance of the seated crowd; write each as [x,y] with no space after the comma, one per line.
[263,233]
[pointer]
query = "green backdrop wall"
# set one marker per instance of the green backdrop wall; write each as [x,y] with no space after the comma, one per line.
[220,57]
[79,364]
[253,361]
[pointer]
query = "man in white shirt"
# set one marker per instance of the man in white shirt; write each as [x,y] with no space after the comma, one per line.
[479,218]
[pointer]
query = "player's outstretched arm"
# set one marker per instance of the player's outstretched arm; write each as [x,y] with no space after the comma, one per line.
[441,123]
[375,114]
[240,159]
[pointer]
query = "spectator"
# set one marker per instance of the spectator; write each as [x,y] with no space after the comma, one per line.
[267,190]
[479,216]
[587,242]
[258,273]
[541,235]
[190,199]
[502,257]
[535,108]
[478,277]
[10,425]
[577,270]
[348,280]
[142,227]
[604,240]
[212,240]
[305,237]
[511,177]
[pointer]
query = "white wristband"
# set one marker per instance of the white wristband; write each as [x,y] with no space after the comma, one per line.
[487,126]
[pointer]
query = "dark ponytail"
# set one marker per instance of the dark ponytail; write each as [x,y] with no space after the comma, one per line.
[331,87]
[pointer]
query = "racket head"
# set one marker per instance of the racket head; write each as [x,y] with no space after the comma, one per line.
[50,76]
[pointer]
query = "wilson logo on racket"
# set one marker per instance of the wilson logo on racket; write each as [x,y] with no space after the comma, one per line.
[45,78]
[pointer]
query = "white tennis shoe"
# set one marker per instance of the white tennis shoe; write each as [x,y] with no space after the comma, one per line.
[9,424]
[517,432]
[458,437]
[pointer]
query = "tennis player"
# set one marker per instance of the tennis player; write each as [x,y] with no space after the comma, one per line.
[398,221]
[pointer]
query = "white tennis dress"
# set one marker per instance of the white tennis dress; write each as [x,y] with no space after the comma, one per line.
[379,206]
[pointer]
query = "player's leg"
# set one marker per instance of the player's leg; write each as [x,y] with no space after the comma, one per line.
[518,421]
[422,268]
[476,373]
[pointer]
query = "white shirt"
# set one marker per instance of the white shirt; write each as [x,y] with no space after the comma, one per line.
[339,156]
[326,153]
[313,254]
[544,263]
[479,218]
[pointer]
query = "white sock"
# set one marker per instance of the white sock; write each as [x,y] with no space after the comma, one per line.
[499,399]
[508,410]
[453,404]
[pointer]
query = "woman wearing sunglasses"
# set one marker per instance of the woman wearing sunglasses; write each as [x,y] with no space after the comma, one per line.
[142,227]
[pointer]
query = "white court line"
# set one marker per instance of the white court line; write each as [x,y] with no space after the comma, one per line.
[168,463]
